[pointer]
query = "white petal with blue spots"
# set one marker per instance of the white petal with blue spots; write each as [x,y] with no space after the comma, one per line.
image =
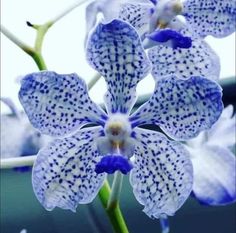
[137,14]
[162,174]
[58,104]
[211,17]
[64,171]
[115,50]
[199,60]
[182,108]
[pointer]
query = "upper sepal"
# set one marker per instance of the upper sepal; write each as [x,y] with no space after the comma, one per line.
[115,51]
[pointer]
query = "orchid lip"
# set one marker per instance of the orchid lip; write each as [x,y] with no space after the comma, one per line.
[112,163]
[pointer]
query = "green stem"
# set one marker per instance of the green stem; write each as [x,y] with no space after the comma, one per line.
[39,61]
[35,52]
[115,190]
[114,213]
[41,31]
[27,49]
[68,10]
[93,81]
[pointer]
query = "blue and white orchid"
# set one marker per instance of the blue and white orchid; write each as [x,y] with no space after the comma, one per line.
[214,162]
[204,17]
[73,167]
[161,23]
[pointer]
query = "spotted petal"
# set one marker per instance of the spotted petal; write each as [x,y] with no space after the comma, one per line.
[182,108]
[211,17]
[58,104]
[198,60]
[214,175]
[108,8]
[64,172]
[138,14]
[162,174]
[115,50]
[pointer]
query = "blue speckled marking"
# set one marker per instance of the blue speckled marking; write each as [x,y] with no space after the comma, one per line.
[211,17]
[64,172]
[162,176]
[137,14]
[58,104]
[116,52]
[182,108]
[199,60]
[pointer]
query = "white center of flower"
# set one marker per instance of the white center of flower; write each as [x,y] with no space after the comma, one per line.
[165,11]
[118,128]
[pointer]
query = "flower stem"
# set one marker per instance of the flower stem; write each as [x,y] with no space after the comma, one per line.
[68,10]
[93,81]
[33,52]
[38,59]
[27,49]
[36,51]
[41,32]
[114,213]
[115,190]
[17,162]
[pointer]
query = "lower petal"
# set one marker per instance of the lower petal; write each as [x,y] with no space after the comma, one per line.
[64,172]
[162,174]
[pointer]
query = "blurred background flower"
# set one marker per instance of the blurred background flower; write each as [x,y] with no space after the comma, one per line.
[18,137]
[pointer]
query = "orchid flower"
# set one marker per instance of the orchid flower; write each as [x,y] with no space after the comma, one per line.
[177,45]
[18,137]
[214,162]
[72,168]
[204,17]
